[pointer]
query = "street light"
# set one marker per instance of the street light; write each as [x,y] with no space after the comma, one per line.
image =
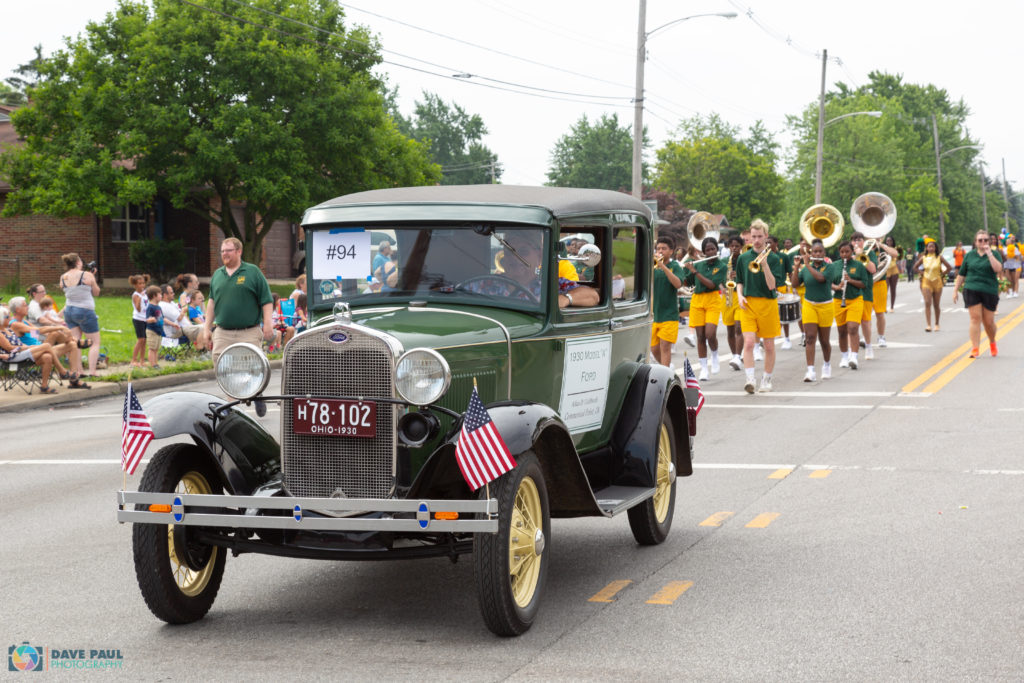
[938,173]
[821,142]
[638,101]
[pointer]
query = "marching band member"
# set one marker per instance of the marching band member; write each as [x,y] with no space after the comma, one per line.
[780,280]
[868,293]
[730,317]
[706,277]
[880,298]
[850,277]
[668,278]
[933,277]
[816,311]
[759,313]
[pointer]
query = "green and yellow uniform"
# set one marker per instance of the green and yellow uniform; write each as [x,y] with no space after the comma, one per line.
[666,305]
[816,307]
[854,308]
[706,303]
[761,314]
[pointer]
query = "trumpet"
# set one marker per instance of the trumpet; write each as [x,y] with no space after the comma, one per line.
[730,290]
[756,264]
[870,244]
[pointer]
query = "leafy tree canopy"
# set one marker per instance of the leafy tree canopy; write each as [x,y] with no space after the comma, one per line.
[13,89]
[710,167]
[263,113]
[598,155]
[454,137]
[893,154]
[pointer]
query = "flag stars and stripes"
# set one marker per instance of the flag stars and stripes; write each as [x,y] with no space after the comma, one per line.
[481,452]
[136,432]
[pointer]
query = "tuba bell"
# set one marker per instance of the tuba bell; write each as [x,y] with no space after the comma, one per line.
[873,214]
[701,226]
[822,222]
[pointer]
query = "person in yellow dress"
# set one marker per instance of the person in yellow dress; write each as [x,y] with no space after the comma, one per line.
[933,269]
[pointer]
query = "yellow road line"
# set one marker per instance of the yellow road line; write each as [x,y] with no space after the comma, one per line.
[958,367]
[958,353]
[763,520]
[717,519]
[781,473]
[669,594]
[819,474]
[607,594]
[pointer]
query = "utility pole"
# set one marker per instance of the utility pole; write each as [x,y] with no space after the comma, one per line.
[821,130]
[938,171]
[638,101]
[984,201]
[1006,213]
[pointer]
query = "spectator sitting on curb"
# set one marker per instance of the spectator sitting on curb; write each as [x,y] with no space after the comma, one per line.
[49,314]
[56,336]
[196,314]
[175,322]
[12,350]
[188,283]
[35,294]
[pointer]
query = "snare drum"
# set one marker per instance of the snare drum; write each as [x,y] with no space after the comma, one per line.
[789,308]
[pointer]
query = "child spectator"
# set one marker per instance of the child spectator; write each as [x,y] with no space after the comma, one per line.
[48,313]
[300,311]
[282,327]
[196,310]
[154,324]
[139,303]
[175,324]
[300,287]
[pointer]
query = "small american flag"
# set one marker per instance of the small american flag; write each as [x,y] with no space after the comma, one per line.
[691,381]
[481,453]
[135,432]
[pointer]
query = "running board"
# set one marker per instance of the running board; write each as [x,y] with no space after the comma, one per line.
[615,500]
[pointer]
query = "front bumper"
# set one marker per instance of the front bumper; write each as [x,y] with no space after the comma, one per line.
[251,512]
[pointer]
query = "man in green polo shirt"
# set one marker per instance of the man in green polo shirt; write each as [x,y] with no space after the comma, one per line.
[239,303]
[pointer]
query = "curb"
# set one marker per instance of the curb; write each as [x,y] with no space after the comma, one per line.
[100,389]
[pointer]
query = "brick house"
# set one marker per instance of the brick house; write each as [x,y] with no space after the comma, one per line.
[31,245]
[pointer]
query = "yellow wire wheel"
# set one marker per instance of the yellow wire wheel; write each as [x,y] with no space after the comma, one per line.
[651,520]
[663,484]
[188,580]
[525,542]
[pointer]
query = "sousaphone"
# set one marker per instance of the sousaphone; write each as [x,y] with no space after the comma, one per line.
[874,215]
[822,222]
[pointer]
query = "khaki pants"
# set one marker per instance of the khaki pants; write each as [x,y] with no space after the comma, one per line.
[224,338]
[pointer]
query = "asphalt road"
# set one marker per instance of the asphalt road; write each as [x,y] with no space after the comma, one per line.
[843,530]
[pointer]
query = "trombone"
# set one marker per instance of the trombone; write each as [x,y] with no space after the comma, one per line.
[756,265]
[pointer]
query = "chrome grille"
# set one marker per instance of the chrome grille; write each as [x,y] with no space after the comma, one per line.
[317,465]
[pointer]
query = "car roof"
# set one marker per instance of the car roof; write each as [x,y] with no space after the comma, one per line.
[559,201]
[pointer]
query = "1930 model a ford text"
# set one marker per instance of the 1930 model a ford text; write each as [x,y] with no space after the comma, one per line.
[536,299]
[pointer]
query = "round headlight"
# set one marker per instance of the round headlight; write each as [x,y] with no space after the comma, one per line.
[422,376]
[243,371]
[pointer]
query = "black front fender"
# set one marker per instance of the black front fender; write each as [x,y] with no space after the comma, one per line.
[246,455]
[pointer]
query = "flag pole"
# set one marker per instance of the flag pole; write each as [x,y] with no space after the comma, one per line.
[124,471]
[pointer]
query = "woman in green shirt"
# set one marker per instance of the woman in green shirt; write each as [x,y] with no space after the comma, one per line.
[978,276]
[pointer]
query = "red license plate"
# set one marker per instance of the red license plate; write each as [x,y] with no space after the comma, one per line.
[334,417]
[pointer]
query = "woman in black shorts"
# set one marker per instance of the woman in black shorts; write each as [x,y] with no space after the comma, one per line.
[978,275]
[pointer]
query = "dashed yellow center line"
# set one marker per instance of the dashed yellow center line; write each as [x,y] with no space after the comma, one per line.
[670,593]
[819,474]
[762,520]
[780,473]
[717,519]
[608,593]
[959,355]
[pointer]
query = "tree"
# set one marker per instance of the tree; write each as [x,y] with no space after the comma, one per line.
[710,168]
[454,139]
[12,91]
[598,156]
[233,107]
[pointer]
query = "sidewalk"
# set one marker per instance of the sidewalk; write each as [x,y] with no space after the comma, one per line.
[14,399]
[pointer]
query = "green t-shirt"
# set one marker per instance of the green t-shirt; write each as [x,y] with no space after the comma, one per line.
[869,286]
[714,270]
[978,274]
[857,271]
[755,285]
[666,304]
[238,299]
[787,268]
[819,292]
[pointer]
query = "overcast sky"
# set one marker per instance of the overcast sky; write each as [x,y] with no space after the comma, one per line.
[759,65]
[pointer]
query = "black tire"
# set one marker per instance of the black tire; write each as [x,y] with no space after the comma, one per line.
[651,520]
[173,591]
[510,596]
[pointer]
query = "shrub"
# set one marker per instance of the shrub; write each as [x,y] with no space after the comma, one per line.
[159,258]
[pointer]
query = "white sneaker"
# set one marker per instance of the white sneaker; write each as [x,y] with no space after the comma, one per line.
[881,342]
[853,362]
[766,385]
[692,341]
[845,362]
[715,366]
[869,353]
[749,386]
[826,371]
[703,374]
[735,363]
[758,353]
[786,344]
[809,377]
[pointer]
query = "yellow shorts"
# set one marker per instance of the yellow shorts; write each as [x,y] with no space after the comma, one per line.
[782,289]
[731,315]
[881,294]
[761,317]
[822,315]
[705,309]
[801,291]
[665,331]
[865,310]
[852,312]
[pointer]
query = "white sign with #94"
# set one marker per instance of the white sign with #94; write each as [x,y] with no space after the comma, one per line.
[341,253]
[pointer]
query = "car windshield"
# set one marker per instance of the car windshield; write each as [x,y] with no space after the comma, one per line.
[483,264]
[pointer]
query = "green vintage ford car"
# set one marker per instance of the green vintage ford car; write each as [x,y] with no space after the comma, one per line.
[536,298]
